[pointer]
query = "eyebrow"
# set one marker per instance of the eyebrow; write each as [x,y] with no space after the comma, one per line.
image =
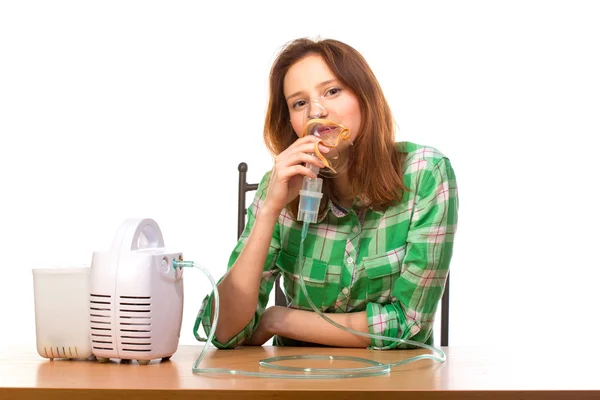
[327,82]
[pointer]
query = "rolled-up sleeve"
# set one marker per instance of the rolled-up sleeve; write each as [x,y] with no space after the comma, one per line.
[269,276]
[418,289]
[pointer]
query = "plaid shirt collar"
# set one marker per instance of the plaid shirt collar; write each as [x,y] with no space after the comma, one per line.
[339,211]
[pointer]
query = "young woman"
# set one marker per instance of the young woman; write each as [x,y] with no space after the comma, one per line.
[377,258]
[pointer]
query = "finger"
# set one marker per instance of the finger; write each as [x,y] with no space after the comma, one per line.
[323,149]
[311,140]
[307,140]
[298,158]
[291,153]
[291,171]
[308,148]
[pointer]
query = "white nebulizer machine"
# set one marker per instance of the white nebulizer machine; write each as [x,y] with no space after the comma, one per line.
[136,296]
[128,305]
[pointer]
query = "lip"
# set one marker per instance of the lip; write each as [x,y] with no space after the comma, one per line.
[325,129]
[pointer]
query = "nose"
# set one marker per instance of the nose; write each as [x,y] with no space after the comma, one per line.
[316,110]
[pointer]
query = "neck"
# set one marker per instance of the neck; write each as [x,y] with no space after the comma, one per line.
[342,190]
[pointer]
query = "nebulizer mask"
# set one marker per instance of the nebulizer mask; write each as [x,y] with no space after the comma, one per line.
[323,122]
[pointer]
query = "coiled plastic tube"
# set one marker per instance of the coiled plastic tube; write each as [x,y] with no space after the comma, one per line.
[375,368]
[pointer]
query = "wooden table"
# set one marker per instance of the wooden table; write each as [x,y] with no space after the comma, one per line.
[469,373]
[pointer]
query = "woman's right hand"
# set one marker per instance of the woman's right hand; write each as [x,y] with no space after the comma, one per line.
[289,171]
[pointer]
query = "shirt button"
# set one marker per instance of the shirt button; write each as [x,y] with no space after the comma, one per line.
[345,290]
[355,229]
[350,260]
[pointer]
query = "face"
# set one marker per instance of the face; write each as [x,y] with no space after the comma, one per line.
[312,90]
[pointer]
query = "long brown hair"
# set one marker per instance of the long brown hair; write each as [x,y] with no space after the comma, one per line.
[376,171]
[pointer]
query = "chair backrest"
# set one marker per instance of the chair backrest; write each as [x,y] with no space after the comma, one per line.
[245,187]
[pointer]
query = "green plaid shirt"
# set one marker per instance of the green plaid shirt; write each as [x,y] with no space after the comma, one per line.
[392,264]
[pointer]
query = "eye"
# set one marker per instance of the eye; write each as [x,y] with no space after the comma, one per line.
[298,104]
[333,91]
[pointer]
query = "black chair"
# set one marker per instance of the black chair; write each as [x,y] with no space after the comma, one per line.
[245,187]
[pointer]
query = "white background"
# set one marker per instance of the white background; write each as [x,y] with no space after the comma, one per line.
[118,109]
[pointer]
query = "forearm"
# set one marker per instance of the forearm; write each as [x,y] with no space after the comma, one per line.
[308,326]
[238,290]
